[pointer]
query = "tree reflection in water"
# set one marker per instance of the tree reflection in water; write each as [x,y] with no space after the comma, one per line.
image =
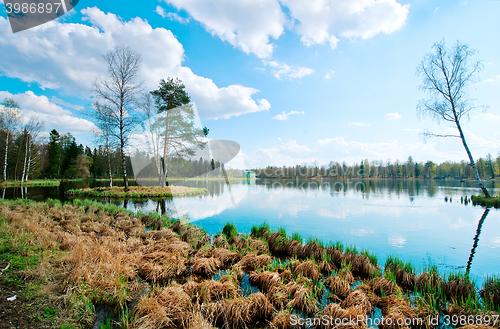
[476,239]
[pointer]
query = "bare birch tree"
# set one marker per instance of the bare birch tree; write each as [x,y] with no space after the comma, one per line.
[10,117]
[102,117]
[116,93]
[446,75]
[31,131]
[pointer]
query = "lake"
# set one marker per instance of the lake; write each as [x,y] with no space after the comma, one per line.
[407,218]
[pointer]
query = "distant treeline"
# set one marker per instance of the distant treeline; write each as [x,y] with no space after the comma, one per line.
[488,167]
[62,157]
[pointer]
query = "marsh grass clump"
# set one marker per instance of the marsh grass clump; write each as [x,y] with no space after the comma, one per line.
[206,267]
[359,299]
[251,262]
[261,231]
[338,286]
[308,269]
[239,312]
[271,284]
[459,286]
[491,291]
[314,248]
[230,231]
[430,279]
[404,272]
[384,286]
[167,307]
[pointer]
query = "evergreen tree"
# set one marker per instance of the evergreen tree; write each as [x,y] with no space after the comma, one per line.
[54,154]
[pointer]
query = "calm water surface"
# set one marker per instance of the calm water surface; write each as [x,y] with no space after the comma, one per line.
[406,218]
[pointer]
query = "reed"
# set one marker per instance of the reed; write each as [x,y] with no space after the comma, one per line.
[491,292]
[230,231]
[338,286]
[404,272]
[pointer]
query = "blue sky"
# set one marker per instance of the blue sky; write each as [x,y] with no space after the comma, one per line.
[291,81]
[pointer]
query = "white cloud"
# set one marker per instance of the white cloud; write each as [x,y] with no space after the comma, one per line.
[54,116]
[172,16]
[247,25]
[160,11]
[437,8]
[69,56]
[290,72]
[177,18]
[321,21]
[359,124]
[353,151]
[58,101]
[284,116]
[481,143]
[495,242]
[392,116]
[396,241]
[361,232]
[490,116]
[329,74]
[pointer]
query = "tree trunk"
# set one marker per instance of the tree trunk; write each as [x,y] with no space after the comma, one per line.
[29,164]
[472,163]
[25,159]
[109,159]
[476,239]
[124,167]
[165,153]
[122,150]
[109,171]
[6,152]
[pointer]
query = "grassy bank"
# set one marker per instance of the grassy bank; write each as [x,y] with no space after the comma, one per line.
[145,271]
[485,202]
[139,192]
[39,182]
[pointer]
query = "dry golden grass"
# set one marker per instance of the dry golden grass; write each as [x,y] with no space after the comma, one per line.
[361,265]
[109,258]
[227,257]
[293,248]
[206,267]
[338,285]
[167,307]
[307,269]
[359,299]
[161,267]
[141,191]
[239,312]
[276,242]
[210,291]
[281,320]
[345,318]
[271,284]
[313,250]
[251,262]
[346,274]
[326,268]
[302,298]
[381,285]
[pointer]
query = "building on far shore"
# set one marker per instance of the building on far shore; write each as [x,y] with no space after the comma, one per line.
[248,174]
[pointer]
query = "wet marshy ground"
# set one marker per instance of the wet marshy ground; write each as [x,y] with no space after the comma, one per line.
[146,271]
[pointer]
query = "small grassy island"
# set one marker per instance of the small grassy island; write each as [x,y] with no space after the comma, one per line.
[485,202]
[36,182]
[85,264]
[139,192]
